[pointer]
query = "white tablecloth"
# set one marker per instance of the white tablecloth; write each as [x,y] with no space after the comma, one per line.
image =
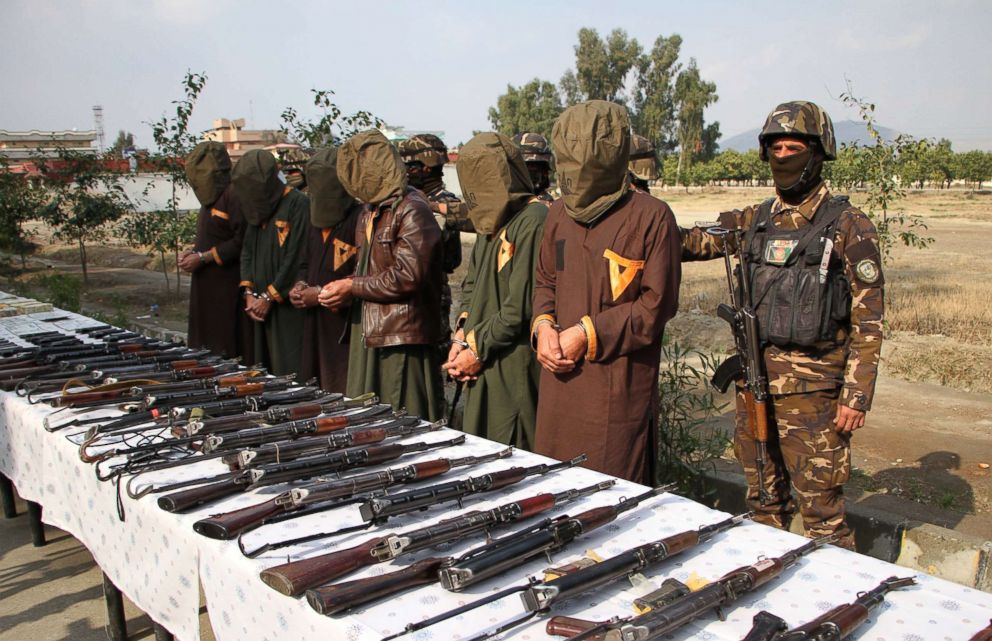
[158,561]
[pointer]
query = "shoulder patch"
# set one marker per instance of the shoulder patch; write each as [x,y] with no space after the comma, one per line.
[867,271]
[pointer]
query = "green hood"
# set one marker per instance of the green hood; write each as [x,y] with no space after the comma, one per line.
[329,202]
[494,180]
[370,168]
[208,170]
[256,181]
[591,142]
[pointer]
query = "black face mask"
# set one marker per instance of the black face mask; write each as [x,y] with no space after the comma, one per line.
[415,175]
[797,175]
[540,175]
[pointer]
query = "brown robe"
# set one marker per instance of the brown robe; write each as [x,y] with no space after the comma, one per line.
[620,279]
[327,255]
[217,320]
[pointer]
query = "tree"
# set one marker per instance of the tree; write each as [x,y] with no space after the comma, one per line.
[879,167]
[534,107]
[174,141]
[124,140]
[692,96]
[332,128]
[708,142]
[654,100]
[601,68]
[975,167]
[20,202]
[85,200]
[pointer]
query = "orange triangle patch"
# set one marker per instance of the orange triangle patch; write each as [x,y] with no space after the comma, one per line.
[505,251]
[342,253]
[621,280]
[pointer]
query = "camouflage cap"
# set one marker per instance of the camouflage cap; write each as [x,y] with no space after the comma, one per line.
[534,147]
[425,148]
[799,118]
[643,159]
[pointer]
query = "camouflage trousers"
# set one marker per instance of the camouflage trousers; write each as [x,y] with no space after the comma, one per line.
[808,464]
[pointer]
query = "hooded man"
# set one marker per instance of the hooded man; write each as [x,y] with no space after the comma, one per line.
[278,218]
[328,254]
[607,282]
[216,319]
[491,349]
[396,289]
[816,280]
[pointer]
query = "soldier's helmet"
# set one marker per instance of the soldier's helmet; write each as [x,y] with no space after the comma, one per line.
[799,118]
[643,161]
[425,148]
[534,148]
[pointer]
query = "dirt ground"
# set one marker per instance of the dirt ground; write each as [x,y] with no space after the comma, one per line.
[930,432]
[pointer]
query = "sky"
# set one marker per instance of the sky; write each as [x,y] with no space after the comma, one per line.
[437,65]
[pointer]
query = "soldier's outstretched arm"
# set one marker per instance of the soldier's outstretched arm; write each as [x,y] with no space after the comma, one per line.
[697,244]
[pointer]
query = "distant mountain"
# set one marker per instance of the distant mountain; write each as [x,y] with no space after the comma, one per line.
[847,131]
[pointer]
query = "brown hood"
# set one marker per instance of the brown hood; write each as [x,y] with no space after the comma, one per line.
[370,168]
[257,184]
[494,180]
[208,170]
[591,142]
[329,202]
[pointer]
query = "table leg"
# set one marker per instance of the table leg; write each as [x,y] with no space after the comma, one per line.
[116,623]
[34,522]
[7,497]
[161,634]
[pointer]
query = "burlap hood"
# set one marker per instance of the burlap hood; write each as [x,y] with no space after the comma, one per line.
[494,180]
[591,142]
[370,168]
[329,202]
[257,184]
[208,170]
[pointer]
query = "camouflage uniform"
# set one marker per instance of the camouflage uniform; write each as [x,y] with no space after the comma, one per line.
[806,384]
[430,151]
[643,164]
[540,162]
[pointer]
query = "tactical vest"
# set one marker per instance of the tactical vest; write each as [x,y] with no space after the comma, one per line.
[798,288]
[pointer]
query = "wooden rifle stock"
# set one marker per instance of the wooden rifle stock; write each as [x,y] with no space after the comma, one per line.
[186,499]
[569,627]
[230,524]
[296,577]
[985,634]
[340,597]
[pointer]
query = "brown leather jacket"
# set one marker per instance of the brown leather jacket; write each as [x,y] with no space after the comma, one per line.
[401,291]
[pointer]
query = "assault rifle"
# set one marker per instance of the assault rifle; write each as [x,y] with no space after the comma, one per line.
[747,364]
[540,596]
[480,563]
[378,510]
[837,624]
[684,605]
[272,473]
[133,391]
[241,438]
[296,577]
[325,495]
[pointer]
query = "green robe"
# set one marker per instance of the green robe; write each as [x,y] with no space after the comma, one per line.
[269,263]
[502,404]
[405,376]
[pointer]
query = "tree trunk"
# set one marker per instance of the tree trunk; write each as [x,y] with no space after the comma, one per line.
[165,271]
[82,262]
[179,281]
